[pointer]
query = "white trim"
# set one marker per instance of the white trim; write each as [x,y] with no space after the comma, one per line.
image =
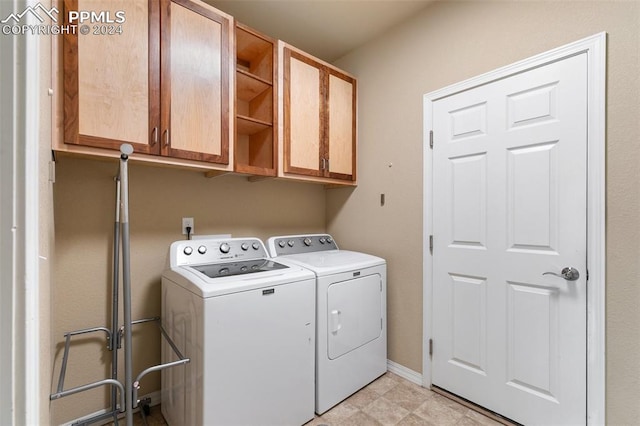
[155,400]
[20,391]
[32,230]
[7,222]
[596,232]
[404,372]
[595,47]
[427,264]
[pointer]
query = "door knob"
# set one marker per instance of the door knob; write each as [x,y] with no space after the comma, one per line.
[569,273]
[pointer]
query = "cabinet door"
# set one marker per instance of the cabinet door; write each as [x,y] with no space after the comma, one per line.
[304,102]
[195,82]
[319,119]
[111,81]
[341,126]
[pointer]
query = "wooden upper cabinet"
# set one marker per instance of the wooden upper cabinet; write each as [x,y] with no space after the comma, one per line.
[111,86]
[319,107]
[195,82]
[303,119]
[161,85]
[341,126]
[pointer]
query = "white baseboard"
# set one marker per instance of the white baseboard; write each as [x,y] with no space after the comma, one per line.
[155,400]
[404,372]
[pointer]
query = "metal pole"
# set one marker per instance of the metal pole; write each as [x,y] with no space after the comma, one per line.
[88,386]
[115,337]
[126,150]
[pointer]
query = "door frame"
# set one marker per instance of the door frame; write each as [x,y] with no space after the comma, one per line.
[595,49]
[21,331]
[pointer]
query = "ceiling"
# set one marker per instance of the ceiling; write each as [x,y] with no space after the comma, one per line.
[328,29]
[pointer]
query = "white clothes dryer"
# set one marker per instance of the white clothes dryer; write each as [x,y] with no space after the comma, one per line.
[351,320]
[247,323]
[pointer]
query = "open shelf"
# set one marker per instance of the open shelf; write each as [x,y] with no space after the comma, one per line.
[254,153]
[256,107]
[249,126]
[254,53]
[249,86]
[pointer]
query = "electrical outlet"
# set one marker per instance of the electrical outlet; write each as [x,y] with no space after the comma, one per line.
[187,221]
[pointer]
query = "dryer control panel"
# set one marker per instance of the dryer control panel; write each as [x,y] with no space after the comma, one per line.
[196,252]
[295,244]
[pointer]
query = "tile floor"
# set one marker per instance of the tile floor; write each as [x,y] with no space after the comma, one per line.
[388,401]
[392,400]
[153,419]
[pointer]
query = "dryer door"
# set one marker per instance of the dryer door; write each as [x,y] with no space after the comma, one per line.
[354,315]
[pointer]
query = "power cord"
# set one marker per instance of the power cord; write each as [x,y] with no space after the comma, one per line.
[188,232]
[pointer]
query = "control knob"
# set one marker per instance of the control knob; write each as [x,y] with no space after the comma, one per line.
[187,250]
[202,249]
[244,246]
[323,240]
[255,246]
[291,243]
[282,243]
[307,241]
[329,240]
[224,248]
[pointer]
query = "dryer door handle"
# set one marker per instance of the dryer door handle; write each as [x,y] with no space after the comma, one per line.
[336,325]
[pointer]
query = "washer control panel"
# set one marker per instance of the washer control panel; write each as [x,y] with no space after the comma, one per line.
[295,244]
[195,252]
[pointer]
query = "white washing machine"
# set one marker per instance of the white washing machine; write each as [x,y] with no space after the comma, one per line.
[351,320]
[247,323]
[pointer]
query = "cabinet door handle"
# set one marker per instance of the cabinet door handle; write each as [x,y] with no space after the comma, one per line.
[154,139]
[166,137]
[323,162]
[327,165]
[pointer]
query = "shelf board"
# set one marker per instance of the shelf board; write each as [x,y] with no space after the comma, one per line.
[257,172]
[248,126]
[250,46]
[248,86]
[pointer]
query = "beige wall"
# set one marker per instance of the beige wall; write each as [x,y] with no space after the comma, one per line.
[159,198]
[446,43]
[452,41]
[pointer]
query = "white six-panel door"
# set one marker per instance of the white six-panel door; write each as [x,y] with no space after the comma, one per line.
[509,203]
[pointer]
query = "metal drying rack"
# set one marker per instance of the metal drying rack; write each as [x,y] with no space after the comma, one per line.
[128,398]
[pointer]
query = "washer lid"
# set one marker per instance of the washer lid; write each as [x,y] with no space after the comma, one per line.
[279,272]
[217,270]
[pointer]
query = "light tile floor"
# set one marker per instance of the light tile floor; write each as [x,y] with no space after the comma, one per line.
[154,418]
[392,400]
[388,401]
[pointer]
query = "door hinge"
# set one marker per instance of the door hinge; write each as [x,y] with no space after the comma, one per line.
[431,139]
[431,244]
[430,347]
